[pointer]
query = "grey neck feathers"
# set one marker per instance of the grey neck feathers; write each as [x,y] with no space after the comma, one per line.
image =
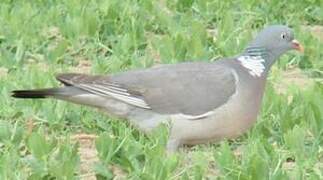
[266,54]
[256,51]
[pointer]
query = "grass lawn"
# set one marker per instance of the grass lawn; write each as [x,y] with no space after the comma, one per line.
[49,139]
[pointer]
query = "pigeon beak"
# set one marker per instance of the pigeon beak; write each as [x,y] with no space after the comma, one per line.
[297,46]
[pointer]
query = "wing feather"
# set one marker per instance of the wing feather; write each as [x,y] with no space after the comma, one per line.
[190,89]
[120,94]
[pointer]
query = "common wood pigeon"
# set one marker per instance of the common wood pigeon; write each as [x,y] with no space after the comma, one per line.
[202,101]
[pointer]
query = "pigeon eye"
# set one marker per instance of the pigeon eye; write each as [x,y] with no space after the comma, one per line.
[283,35]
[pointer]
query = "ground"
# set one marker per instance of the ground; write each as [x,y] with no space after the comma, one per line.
[48,139]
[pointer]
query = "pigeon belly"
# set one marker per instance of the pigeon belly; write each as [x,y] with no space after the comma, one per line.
[228,121]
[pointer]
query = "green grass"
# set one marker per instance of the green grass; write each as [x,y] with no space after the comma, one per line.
[41,38]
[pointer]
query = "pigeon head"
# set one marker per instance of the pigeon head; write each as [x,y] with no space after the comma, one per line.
[272,42]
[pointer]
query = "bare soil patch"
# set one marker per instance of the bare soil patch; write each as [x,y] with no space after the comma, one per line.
[293,76]
[316,31]
[3,72]
[88,155]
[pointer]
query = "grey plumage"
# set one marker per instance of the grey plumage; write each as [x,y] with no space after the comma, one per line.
[204,101]
[186,88]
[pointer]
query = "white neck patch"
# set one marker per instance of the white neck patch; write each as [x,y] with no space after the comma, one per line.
[254,64]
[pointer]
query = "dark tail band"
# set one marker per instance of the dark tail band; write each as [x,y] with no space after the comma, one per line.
[37,93]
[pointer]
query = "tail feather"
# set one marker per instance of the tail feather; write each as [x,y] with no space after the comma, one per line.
[36,93]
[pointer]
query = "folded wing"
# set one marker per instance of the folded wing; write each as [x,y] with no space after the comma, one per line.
[191,89]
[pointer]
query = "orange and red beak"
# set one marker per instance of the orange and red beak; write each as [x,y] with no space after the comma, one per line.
[297,46]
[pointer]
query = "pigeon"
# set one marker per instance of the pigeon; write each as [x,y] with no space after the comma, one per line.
[201,102]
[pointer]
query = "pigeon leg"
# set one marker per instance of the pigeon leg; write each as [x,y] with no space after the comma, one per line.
[173,145]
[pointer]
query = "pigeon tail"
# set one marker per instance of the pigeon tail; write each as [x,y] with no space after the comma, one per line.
[35,93]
